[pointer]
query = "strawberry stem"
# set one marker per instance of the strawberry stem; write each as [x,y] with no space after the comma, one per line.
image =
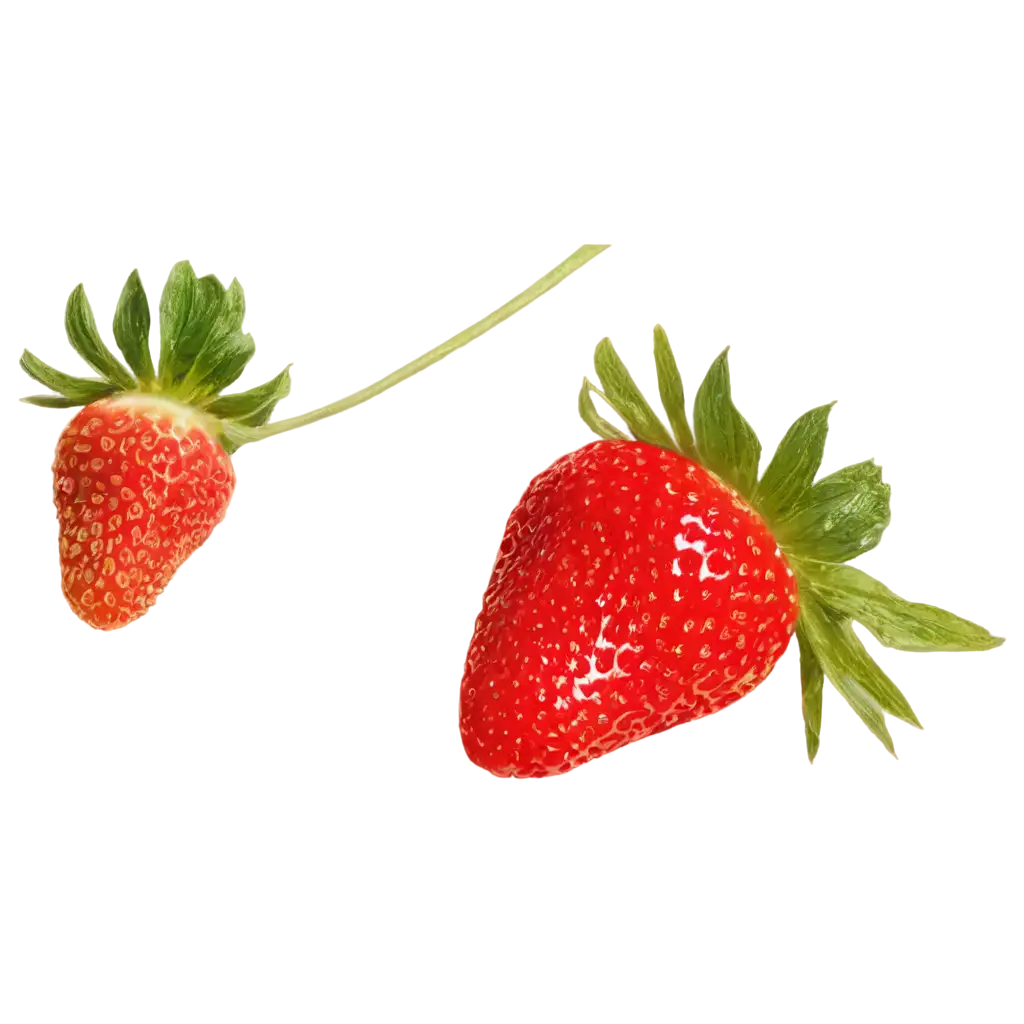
[578,257]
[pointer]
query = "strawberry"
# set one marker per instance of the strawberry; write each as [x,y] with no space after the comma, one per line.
[645,583]
[143,473]
[139,483]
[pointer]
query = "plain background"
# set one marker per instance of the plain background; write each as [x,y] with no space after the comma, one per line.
[214,863]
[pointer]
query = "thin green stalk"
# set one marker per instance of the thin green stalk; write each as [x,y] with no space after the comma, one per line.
[578,257]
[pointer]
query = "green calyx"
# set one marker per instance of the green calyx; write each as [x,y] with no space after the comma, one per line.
[199,352]
[190,347]
[820,525]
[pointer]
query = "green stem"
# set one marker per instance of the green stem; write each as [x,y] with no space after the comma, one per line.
[239,434]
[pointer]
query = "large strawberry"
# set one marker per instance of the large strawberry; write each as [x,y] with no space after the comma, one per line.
[645,583]
[141,471]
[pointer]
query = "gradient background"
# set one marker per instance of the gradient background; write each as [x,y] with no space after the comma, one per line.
[184,841]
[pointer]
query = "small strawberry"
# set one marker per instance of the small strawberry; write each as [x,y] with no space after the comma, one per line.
[142,474]
[645,583]
[139,482]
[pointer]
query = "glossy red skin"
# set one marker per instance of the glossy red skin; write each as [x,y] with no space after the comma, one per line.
[139,485]
[633,591]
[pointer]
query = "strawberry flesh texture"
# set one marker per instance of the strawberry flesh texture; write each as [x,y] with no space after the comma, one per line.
[139,484]
[633,591]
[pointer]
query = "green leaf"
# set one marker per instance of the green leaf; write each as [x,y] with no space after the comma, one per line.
[818,631]
[189,311]
[670,386]
[239,371]
[625,398]
[51,401]
[202,347]
[848,665]
[727,443]
[811,683]
[214,367]
[85,340]
[252,407]
[867,672]
[590,415]
[176,302]
[866,709]
[896,623]
[131,327]
[794,464]
[202,321]
[236,434]
[840,517]
[227,441]
[74,390]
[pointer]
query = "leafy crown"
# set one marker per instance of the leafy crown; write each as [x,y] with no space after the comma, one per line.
[203,350]
[820,525]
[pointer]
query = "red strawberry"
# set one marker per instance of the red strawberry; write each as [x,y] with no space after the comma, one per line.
[633,591]
[142,474]
[139,483]
[639,585]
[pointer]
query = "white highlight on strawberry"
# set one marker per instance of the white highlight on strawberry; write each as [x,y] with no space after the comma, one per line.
[700,547]
[593,676]
[699,520]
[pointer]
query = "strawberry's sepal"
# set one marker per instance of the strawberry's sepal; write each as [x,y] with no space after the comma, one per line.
[195,355]
[670,387]
[812,680]
[849,669]
[85,340]
[894,622]
[593,419]
[625,397]
[131,329]
[199,319]
[794,465]
[726,442]
[252,408]
[72,390]
[838,518]
[51,401]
